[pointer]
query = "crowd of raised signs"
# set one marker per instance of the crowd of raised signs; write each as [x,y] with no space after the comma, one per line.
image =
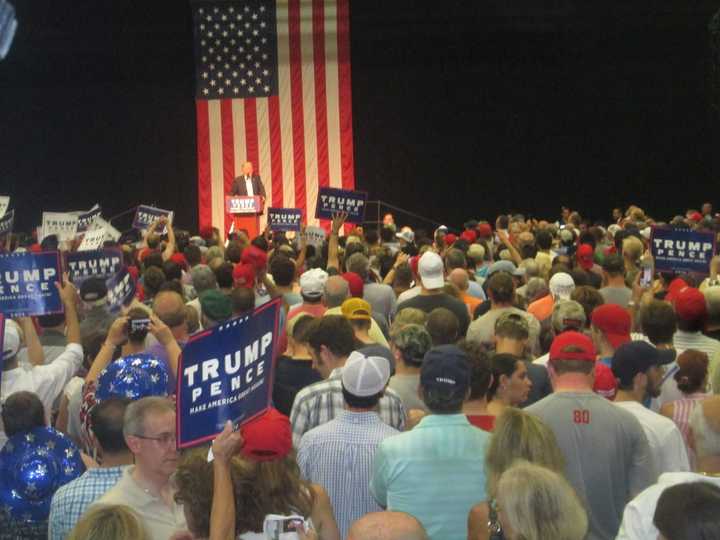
[516,379]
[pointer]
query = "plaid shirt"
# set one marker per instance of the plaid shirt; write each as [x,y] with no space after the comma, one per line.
[319,403]
[72,499]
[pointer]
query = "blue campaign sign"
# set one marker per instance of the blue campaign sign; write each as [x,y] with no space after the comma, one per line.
[88,218]
[121,289]
[2,342]
[27,284]
[226,373]
[147,215]
[682,250]
[284,219]
[331,200]
[102,263]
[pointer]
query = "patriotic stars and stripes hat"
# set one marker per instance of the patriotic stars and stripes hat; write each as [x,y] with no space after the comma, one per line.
[33,465]
[134,376]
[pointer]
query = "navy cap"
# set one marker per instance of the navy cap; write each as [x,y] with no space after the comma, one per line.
[445,368]
[93,289]
[637,357]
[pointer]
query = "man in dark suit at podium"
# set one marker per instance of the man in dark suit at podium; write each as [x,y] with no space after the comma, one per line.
[248,184]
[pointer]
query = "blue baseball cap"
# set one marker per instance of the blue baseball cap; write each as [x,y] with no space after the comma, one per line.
[445,367]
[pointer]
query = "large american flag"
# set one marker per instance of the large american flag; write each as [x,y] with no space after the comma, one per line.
[273,88]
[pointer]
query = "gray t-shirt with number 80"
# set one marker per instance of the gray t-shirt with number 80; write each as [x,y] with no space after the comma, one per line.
[607,455]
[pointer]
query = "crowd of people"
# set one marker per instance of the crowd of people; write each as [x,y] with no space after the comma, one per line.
[517,379]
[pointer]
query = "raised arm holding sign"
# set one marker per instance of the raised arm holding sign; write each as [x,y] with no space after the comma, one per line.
[152,238]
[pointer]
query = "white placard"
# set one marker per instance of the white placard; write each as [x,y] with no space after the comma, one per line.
[4,203]
[111,232]
[315,235]
[92,240]
[62,224]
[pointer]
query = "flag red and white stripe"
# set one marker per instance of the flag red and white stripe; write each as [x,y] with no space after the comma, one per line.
[298,140]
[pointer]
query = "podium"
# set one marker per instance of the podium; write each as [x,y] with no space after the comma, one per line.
[245,212]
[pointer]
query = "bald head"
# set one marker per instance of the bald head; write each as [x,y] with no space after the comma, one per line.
[336,291]
[459,278]
[387,526]
[170,308]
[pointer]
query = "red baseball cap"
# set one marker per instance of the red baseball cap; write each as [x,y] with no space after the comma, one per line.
[254,256]
[614,321]
[469,236]
[605,383]
[690,304]
[244,276]
[585,256]
[484,230]
[696,217]
[267,437]
[676,285]
[583,345]
[450,239]
[355,283]
[179,258]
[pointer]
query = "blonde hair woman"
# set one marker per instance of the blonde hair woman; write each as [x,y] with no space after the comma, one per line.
[109,522]
[517,436]
[535,503]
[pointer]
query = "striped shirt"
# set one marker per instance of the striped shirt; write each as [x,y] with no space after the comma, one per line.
[339,456]
[72,499]
[436,472]
[682,409]
[319,403]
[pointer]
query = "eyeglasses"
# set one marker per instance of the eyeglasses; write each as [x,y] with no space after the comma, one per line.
[164,439]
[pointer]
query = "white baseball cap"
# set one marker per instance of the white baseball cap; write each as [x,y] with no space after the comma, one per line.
[430,268]
[408,236]
[312,282]
[365,376]
[11,340]
[561,285]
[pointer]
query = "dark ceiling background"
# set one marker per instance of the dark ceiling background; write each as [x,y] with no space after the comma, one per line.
[460,109]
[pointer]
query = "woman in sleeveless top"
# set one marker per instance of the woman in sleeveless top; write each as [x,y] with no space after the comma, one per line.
[245,496]
[691,377]
[517,436]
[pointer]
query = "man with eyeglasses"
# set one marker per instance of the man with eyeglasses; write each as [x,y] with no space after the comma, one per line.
[149,430]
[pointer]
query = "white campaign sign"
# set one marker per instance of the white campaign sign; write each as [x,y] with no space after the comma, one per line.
[111,232]
[315,235]
[4,203]
[92,240]
[62,224]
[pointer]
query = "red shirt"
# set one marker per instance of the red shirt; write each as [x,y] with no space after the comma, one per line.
[483,421]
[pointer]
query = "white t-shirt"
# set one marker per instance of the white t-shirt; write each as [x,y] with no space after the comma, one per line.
[666,442]
[637,521]
[542,360]
[46,381]
[410,293]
